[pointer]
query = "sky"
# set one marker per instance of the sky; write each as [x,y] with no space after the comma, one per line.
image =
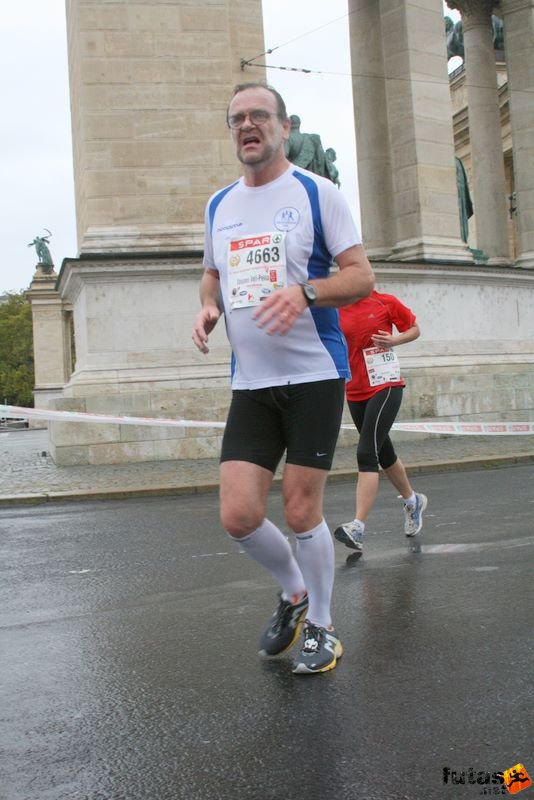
[35,135]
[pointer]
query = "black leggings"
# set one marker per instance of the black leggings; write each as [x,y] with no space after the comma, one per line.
[373,419]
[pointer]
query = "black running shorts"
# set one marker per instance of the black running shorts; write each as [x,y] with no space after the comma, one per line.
[302,419]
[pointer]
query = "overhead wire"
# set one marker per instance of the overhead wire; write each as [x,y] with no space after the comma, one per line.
[302,36]
[308,71]
[407,79]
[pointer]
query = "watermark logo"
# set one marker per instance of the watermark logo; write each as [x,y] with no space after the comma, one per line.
[500,782]
[516,779]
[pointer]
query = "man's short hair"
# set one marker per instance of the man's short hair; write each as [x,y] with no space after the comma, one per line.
[281,106]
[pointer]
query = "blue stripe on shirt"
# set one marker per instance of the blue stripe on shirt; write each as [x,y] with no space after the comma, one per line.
[326,319]
[214,205]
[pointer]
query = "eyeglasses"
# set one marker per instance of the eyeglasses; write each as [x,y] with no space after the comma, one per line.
[258,116]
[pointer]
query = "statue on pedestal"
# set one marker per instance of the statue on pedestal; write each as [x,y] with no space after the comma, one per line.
[305,149]
[43,252]
[465,204]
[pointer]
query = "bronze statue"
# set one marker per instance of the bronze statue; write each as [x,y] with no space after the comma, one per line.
[454,33]
[333,172]
[465,204]
[305,149]
[43,253]
[497,26]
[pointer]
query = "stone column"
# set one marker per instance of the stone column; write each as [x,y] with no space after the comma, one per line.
[404,126]
[489,187]
[519,41]
[51,338]
[149,84]
[370,119]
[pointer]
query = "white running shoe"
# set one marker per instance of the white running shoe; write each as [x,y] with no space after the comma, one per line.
[351,535]
[413,517]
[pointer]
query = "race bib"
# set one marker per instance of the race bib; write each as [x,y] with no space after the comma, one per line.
[382,365]
[257,266]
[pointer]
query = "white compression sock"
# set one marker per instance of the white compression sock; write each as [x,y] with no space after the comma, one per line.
[315,556]
[269,547]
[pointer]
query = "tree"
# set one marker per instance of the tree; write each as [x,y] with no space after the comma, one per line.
[17,377]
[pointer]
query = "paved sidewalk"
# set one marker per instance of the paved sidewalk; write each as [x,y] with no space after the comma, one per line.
[28,474]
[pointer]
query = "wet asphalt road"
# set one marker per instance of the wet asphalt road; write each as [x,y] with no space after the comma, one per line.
[129,669]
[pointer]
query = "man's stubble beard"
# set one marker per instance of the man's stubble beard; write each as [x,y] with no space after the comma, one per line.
[256,158]
[266,156]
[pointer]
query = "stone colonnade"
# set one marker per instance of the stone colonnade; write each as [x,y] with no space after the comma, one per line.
[404,128]
[405,145]
[485,129]
[488,177]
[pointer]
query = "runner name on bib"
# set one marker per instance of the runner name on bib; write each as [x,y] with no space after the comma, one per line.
[256,267]
[382,365]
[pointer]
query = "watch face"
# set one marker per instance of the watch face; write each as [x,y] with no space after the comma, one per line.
[309,292]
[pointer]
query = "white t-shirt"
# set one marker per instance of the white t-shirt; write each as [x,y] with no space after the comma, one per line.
[316,225]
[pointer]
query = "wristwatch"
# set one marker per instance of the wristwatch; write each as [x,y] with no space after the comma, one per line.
[310,293]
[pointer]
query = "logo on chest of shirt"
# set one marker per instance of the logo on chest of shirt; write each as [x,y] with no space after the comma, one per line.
[286,218]
[229,227]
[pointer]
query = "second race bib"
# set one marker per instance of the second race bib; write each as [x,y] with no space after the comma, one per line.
[382,365]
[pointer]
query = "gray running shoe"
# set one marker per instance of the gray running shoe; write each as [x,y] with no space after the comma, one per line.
[284,626]
[320,651]
[413,517]
[351,535]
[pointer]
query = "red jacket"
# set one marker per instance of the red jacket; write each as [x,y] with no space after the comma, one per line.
[359,322]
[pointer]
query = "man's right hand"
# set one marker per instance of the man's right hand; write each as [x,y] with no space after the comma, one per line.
[205,321]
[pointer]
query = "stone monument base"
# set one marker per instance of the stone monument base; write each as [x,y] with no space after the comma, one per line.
[112,443]
[133,316]
[134,354]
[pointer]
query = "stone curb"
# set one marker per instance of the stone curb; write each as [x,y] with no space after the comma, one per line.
[82,495]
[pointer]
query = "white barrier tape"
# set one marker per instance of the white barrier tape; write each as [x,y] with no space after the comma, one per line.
[455,428]
[464,428]
[80,416]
